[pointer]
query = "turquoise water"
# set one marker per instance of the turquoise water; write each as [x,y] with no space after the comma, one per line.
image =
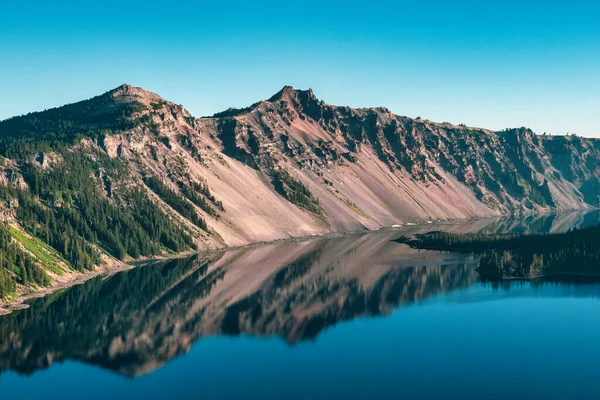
[355,317]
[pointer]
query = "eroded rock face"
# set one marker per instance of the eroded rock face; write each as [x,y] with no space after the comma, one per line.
[509,171]
[367,167]
[343,168]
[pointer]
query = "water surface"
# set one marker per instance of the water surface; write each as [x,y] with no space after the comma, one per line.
[351,317]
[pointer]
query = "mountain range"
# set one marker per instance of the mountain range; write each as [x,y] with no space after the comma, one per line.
[128,175]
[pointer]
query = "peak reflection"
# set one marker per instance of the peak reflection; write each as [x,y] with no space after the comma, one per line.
[134,322]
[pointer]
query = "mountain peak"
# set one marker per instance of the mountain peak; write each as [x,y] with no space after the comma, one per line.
[127,94]
[125,86]
[289,92]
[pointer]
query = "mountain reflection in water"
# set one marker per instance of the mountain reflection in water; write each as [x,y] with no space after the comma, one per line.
[135,321]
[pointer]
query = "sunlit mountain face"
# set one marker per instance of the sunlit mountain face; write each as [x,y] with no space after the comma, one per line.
[128,175]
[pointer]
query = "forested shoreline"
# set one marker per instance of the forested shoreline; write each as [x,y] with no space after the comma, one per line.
[521,255]
[65,206]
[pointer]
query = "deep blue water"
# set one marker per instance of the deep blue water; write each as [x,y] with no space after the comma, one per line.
[476,343]
[335,320]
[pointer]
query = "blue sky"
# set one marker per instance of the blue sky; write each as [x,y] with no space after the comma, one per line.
[492,64]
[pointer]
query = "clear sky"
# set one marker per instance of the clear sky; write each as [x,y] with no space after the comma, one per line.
[493,64]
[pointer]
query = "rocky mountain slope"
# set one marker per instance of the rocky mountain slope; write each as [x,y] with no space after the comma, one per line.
[128,174]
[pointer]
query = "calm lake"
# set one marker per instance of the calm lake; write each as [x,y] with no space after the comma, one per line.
[355,317]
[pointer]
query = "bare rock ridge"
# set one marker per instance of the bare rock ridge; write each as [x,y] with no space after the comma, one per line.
[288,166]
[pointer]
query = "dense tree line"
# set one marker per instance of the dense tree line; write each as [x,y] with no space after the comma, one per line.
[173,199]
[54,227]
[57,127]
[522,255]
[79,203]
[295,191]
[131,225]
[199,193]
[17,266]
[65,208]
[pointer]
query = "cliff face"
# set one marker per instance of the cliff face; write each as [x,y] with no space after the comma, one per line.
[294,165]
[412,168]
[288,166]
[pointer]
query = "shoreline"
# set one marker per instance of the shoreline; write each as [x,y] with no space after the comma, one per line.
[115,266]
[551,277]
